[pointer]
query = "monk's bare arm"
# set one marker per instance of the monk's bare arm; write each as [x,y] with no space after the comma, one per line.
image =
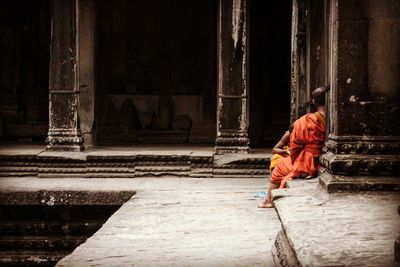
[278,148]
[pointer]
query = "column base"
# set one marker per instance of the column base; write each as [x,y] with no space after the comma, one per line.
[340,183]
[66,148]
[361,164]
[231,149]
[65,140]
[87,141]
[232,142]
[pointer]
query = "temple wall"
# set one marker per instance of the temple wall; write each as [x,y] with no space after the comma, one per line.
[384,48]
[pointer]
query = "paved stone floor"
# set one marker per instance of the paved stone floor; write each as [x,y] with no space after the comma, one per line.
[341,229]
[173,222]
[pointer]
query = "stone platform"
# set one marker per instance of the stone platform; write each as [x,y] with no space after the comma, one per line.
[130,162]
[337,229]
[171,221]
[43,220]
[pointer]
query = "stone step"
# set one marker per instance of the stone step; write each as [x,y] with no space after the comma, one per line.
[67,242]
[130,166]
[17,173]
[156,168]
[337,229]
[237,176]
[282,252]
[36,258]
[147,171]
[239,172]
[57,214]
[45,227]
[239,166]
[162,163]
[109,175]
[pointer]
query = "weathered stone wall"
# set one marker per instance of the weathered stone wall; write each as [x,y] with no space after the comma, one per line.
[364,106]
[383,48]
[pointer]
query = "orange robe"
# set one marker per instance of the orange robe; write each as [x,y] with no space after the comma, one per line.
[276,158]
[306,141]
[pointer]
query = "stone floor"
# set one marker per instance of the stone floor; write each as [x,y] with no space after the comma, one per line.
[215,222]
[339,229]
[173,222]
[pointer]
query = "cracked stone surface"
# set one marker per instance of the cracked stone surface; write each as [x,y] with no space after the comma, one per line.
[173,222]
[341,229]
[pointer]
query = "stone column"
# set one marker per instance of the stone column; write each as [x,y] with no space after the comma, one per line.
[299,94]
[87,16]
[232,101]
[64,131]
[363,142]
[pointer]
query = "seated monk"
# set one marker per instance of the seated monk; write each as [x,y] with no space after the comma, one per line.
[281,149]
[306,141]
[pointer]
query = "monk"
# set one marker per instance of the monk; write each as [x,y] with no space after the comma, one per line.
[306,141]
[281,149]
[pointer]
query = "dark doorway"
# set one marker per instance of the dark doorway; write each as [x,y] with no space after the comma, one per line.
[270,53]
[156,71]
[24,69]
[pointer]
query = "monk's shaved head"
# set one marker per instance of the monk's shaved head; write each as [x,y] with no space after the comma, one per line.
[318,96]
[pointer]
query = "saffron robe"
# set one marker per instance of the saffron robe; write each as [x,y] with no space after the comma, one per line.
[276,158]
[306,141]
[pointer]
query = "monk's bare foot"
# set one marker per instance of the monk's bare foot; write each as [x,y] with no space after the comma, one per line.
[265,204]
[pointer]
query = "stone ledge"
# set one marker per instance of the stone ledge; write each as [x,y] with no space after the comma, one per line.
[65,197]
[338,229]
[339,183]
[361,164]
[31,257]
[130,165]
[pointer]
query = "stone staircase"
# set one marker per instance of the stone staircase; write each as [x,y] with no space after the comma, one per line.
[39,229]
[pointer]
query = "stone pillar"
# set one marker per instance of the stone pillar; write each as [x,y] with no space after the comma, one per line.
[363,142]
[232,103]
[87,16]
[299,94]
[64,131]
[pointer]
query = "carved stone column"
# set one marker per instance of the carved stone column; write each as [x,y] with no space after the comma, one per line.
[363,142]
[64,131]
[232,104]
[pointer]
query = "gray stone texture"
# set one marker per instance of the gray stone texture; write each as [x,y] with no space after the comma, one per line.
[64,129]
[341,229]
[232,103]
[363,132]
[173,222]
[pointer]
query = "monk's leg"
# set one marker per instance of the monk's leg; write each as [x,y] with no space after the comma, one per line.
[268,201]
[281,170]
